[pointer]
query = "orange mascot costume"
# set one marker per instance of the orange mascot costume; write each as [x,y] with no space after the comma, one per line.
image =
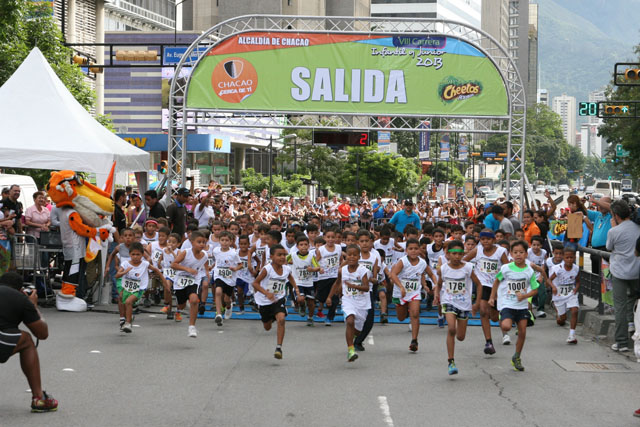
[84,214]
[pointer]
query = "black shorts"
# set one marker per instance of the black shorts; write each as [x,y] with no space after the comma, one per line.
[8,340]
[515,315]
[486,293]
[182,295]
[226,289]
[307,291]
[323,287]
[268,312]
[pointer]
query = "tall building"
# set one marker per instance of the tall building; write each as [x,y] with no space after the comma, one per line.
[532,74]
[590,143]
[565,107]
[467,11]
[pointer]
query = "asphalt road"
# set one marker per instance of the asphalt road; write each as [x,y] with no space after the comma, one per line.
[158,376]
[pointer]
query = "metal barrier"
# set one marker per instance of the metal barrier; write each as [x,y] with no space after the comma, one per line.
[590,282]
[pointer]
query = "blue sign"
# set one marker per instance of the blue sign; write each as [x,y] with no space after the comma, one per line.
[173,55]
[208,143]
[488,154]
[425,138]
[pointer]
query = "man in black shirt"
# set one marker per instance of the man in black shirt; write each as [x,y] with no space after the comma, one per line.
[156,210]
[18,306]
[177,212]
[119,218]
[15,207]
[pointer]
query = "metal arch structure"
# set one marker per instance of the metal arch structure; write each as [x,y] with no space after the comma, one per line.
[513,125]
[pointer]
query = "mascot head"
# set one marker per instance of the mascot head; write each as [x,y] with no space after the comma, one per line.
[67,189]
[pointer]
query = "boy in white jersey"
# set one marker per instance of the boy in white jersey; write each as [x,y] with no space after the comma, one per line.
[188,264]
[271,293]
[434,251]
[538,256]
[153,252]
[247,273]
[227,263]
[408,278]
[121,254]
[353,282]
[260,248]
[488,258]
[456,281]
[134,273]
[557,257]
[371,261]
[565,283]
[150,231]
[166,259]
[304,264]
[513,286]
[329,256]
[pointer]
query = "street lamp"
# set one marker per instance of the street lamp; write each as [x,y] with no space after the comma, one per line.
[176,3]
[271,139]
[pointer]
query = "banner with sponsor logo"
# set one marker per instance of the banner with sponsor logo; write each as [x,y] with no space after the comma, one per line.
[347,73]
[463,148]
[425,137]
[445,147]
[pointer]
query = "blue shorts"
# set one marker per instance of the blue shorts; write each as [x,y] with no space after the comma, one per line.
[241,284]
[515,314]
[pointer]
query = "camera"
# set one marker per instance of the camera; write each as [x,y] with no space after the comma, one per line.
[28,290]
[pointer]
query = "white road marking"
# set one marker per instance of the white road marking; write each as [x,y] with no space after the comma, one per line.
[28,390]
[95,351]
[152,315]
[370,340]
[384,407]
[68,370]
[221,332]
[136,326]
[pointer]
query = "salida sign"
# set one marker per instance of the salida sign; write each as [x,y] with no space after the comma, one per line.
[346,73]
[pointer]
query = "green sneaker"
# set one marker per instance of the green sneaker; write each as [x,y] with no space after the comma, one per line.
[453,370]
[517,363]
[352,355]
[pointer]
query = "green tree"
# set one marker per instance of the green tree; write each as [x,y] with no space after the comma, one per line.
[625,132]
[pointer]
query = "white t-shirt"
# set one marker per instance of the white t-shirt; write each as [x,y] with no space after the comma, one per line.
[299,266]
[488,266]
[388,250]
[182,278]
[513,281]
[358,298]
[138,278]
[565,280]
[410,276]
[273,282]
[457,286]
[329,261]
[156,253]
[537,259]
[225,260]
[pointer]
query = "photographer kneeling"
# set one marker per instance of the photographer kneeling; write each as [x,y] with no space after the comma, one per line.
[18,305]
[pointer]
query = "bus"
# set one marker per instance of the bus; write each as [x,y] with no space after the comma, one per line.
[608,188]
[627,185]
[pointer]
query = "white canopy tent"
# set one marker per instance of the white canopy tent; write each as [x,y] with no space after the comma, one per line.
[44,127]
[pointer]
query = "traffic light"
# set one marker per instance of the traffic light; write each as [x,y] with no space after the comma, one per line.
[83,61]
[163,167]
[136,55]
[616,109]
[632,74]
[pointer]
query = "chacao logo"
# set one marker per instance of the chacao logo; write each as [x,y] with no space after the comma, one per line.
[137,142]
[234,80]
[217,144]
[451,89]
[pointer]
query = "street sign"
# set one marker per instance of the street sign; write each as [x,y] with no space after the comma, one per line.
[488,154]
[172,55]
[621,152]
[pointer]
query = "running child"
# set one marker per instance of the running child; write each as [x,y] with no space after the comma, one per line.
[187,264]
[488,259]
[434,251]
[328,256]
[514,284]
[538,256]
[565,283]
[224,277]
[557,252]
[247,273]
[456,281]
[150,231]
[371,261]
[166,259]
[271,293]
[134,275]
[154,252]
[120,254]
[304,265]
[408,277]
[354,281]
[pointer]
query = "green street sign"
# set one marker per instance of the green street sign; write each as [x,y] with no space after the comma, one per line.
[621,152]
[221,170]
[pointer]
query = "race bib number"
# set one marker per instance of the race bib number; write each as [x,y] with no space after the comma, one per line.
[388,259]
[353,291]
[565,290]
[131,285]
[455,287]
[410,285]
[368,266]
[488,266]
[224,273]
[184,281]
[155,256]
[260,252]
[168,272]
[276,286]
[515,287]
[332,261]
[211,261]
[303,274]
[245,264]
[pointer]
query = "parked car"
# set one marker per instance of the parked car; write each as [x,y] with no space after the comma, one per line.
[483,190]
[552,189]
[491,196]
[589,190]
[540,189]
[563,187]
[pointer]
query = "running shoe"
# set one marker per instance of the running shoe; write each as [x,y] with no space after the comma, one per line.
[383,318]
[517,363]
[620,348]
[193,332]
[127,328]
[320,314]
[632,327]
[440,321]
[636,413]
[489,348]
[147,302]
[327,322]
[541,314]
[178,317]
[170,315]
[301,310]
[45,403]
[164,309]
[157,298]
[506,339]
[310,321]
[453,370]
[228,312]
[122,322]
[201,308]
[413,346]
[219,320]
[351,355]
[358,346]
[278,353]
[241,311]
[572,339]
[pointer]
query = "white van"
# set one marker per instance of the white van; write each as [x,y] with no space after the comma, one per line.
[608,188]
[27,187]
